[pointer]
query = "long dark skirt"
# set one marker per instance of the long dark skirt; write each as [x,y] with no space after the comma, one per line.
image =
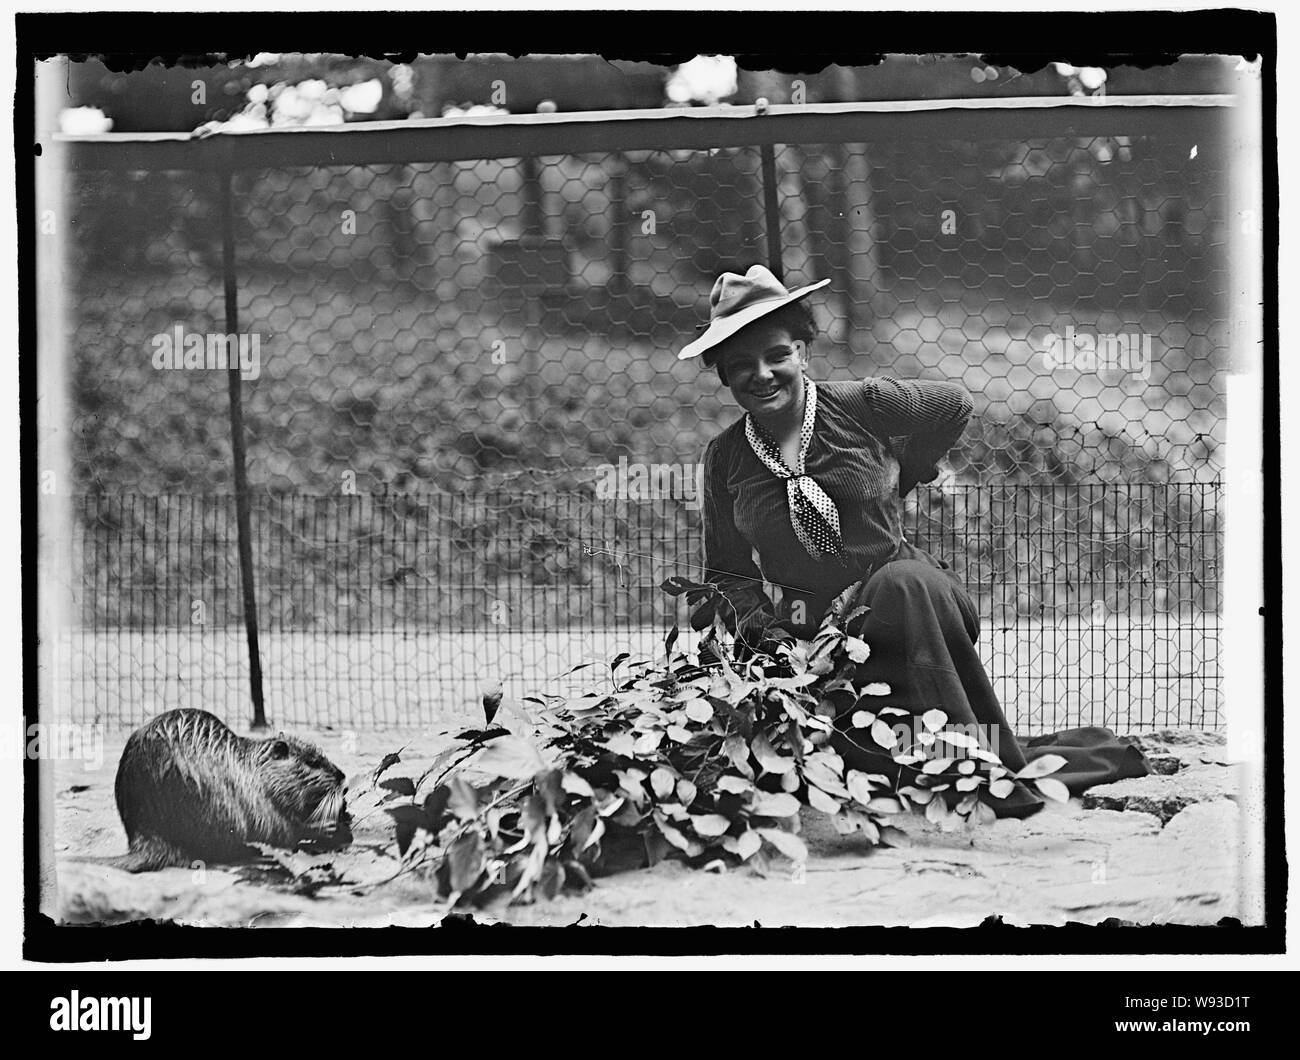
[922,630]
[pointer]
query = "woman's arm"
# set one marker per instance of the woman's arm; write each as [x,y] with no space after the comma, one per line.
[930,416]
[728,559]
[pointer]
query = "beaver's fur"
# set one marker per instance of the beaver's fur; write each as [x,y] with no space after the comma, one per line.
[188,789]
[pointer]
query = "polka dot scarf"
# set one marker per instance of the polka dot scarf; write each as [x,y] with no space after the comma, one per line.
[812,513]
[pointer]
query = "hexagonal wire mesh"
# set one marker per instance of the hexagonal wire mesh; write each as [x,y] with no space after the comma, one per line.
[451,356]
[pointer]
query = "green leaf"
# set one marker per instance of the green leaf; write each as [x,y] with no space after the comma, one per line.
[1000,789]
[821,666]
[1053,789]
[820,774]
[576,668]
[768,757]
[509,756]
[819,800]
[440,760]
[883,734]
[387,762]
[611,806]
[856,649]
[1040,767]
[575,785]
[920,796]
[894,837]
[862,719]
[855,614]
[686,792]
[734,785]
[875,688]
[699,710]
[792,684]
[465,859]
[670,640]
[884,804]
[787,843]
[936,812]
[407,819]
[824,644]
[663,781]
[780,804]
[967,783]
[580,827]
[859,786]
[710,824]
[737,752]
[957,739]
[629,783]
[673,835]
[463,798]
[623,744]
[936,765]
[795,710]
[829,759]
[400,785]
[647,743]
[934,720]
[597,830]
[679,733]
[677,584]
[435,808]
[747,845]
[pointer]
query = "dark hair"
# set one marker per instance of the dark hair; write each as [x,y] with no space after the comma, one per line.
[796,318]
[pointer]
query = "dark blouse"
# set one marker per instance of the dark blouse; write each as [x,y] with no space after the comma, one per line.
[873,440]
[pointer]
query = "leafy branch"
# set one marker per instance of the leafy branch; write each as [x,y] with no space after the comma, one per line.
[707,761]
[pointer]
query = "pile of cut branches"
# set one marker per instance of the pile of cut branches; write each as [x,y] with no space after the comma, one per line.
[708,762]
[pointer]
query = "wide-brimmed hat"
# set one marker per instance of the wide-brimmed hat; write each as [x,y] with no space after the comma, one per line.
[738,301]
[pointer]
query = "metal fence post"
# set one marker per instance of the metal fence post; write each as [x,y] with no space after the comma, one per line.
[242,516]
[771,211]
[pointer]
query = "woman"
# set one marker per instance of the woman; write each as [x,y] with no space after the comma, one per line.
[812,480]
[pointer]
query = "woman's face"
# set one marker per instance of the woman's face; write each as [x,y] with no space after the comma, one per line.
[764,368]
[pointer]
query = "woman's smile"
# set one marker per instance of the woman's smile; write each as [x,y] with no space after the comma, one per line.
[765,371]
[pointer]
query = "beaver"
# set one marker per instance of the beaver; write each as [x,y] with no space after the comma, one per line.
[188,789]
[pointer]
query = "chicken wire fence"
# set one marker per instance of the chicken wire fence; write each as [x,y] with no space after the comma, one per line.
[471,453]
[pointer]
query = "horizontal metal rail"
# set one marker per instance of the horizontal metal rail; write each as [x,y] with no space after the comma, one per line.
[678,128]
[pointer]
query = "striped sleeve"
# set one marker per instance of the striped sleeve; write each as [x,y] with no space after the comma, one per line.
[906,407]
[930,416]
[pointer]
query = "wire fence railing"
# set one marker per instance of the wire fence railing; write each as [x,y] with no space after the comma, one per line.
[1099,602]
[433,332]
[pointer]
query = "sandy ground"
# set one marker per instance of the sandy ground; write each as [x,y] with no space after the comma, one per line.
[1170,848]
